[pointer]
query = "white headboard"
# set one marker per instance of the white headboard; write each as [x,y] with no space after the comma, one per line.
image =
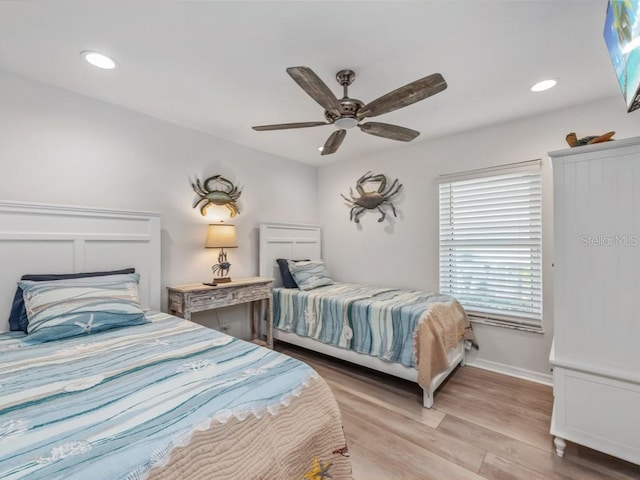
[37,238]
[287,240]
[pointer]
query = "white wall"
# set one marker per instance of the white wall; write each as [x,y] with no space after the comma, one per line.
[59,147]
[404,251]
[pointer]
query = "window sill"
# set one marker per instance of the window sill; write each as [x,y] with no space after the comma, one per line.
[502,324]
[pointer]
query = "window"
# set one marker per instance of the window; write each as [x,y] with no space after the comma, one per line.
[491,244]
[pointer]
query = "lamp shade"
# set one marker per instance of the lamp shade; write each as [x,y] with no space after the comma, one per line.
[221,235]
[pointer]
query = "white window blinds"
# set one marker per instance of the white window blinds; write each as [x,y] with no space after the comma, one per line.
[491,243]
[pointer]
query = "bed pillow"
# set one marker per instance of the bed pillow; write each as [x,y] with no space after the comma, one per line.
[18,317]
[66,308]
[285,274]
[310,274]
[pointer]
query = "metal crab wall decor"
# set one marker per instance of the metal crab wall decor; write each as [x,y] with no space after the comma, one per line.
[369,200]
[209,195]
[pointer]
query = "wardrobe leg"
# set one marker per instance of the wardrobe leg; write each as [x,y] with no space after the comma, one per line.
[560,446]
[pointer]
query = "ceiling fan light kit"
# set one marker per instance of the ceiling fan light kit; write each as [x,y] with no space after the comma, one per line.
[346,122]
[347,113]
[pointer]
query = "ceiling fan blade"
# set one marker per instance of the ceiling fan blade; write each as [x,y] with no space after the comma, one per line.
[333,142]
[404,96]
[282,126]
[386,130]
[316,88]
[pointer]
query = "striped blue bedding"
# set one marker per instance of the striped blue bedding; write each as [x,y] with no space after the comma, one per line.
[377,321]
[114,404]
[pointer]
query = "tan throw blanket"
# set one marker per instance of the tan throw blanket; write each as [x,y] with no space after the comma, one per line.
[441,328]
[304,440]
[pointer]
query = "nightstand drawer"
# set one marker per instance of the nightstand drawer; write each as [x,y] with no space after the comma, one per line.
[213,299]
[257,292]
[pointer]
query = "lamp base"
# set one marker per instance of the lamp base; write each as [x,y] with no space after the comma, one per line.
[213,284]
[222,280]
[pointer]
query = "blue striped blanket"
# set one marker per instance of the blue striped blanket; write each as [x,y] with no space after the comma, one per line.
[377,321]
[115,404]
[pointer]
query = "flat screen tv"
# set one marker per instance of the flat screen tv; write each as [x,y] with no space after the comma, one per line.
[622,35]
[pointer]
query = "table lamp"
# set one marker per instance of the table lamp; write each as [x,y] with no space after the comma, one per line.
[221,235]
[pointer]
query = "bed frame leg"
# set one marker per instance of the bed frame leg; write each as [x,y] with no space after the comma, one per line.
[463,362]
[428,394]
[427,398]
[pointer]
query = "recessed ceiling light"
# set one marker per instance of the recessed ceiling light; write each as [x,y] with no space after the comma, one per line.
[544,85]
[99,60]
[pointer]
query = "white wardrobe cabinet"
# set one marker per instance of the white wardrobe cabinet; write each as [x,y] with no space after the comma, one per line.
[596,347]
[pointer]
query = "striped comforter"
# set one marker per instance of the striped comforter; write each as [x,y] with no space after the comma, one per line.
[125,404]
[383,322]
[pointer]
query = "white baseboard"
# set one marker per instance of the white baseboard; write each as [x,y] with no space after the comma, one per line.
[537,377]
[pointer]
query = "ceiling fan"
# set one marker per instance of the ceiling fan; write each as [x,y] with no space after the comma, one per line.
[348,112]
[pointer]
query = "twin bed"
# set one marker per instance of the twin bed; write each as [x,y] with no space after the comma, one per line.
[409,334]
[164,398]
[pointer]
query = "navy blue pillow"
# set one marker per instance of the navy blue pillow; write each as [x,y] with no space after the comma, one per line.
[18,320]
[287,278]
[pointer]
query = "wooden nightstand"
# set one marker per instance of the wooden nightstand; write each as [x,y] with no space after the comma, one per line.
[187,299]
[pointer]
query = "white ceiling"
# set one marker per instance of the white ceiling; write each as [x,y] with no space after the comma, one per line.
[219,67]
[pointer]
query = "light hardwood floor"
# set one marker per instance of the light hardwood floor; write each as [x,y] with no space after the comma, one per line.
[483,425]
